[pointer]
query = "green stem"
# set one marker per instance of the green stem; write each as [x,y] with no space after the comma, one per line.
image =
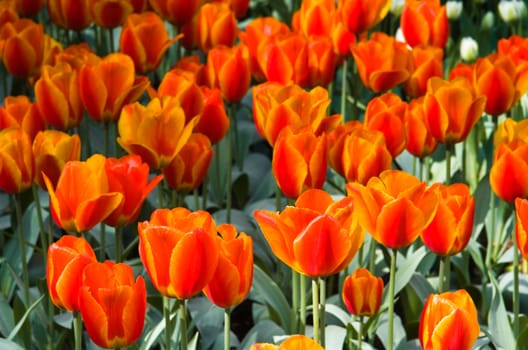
[119,244]
[372,255]
[43,239]
[448,151]
[111,46]
[491,237]
[302,306]
[392,283]
[22,247]
[196,199]
[295,277]
[183,323]
[516,299]
[102,242]
[360,332]
[322,305]
[205,183]
[229,176]
[315,307]
[77,330]
[106,138]
[344,89]
[168,324]
[443,274]
[227,329]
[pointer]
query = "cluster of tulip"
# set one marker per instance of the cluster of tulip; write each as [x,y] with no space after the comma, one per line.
[339,168]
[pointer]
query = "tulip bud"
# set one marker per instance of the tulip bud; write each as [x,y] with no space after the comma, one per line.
[454,10]
[488,21]
[468,49]
[397,7]
[512,11]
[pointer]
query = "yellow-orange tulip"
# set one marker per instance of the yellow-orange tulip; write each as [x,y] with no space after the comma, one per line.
[424,22]
[316,17]
[215,25]
[17,168]
[20,112]
[362,293]
[361,15]
[110,13]
[294,342]
[70,14]
[427,63]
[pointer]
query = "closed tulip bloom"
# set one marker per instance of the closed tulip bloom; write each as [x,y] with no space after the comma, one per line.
[299,161]
[385,113]
[113,305]
[129,176]
[110,13]
[58,96]
[316,17]
[70,14]
[452,225]
[521,225]
[394,208]
[17,168]
[177,12]
[322,61]
[179,250]
[155,132]
[452,108]
[233,277]
[420,142]
[342,38]
[317,237]
[427,62]
[425,23]
[101,96]
[361,15]
[66,261]
[145,39]
[382,62]
[187,170]
[29,8]
[465,70]
[52,149]
[228,70]
[213,122]
[81,198]
[215,25]
[449,321]
[8,12]
[508,172]
[20,112]
[362,293]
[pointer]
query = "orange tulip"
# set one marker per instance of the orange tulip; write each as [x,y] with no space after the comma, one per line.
[299,161]
[215,24]
[187,170]
[191,64]
[382,62]
[58,96]
[516,47]
[386,113]
[20,112]
[420,142]
[449,321]
[67,259]
[77,56]
[145,39]
[362,293]
[29,8]
[462,69]
[277,106]
[233,277]
[452,225]
[427,62]
[322,61]
[213,121]
[17,168]
[508,172]
[156,132]
[228,69]
[361,15]
[511,132]
[110,13]
[521,225]
[425,23]
[316,17]
[342,38]
[294,342]
[129,176]
[239,7]
[8,12]
[113,306]
[177,12]
[22,47]
[70,14]
[101,96]
[180,251]
[81,198]
[52,149]
[394,208]
[452,108]
[317,237]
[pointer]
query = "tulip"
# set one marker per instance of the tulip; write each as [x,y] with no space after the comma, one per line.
[514,46]
[425,23]
[29,8]
[101,96]
[382,62]
[67,259]
[113,306]
[394,208]
[316,17]
[77,56]
[81,198]
[156,132]
[239,7]
[17,168]
[361,15]
[52,149]
[110,13]
[293,342]
[8,12]
[215,25]
[468,49]
[177,12]
[342,38]
[450,230]
[508,172]
[145,39]
[20,112]
[317,237]
[521,225]
[465,70]
[362,293]
[449,321]
[180,251]
[452,108]
[213,121]
[187,170]
[322,61]
[70,14]
[420,142]
[511,132]
[233,277]
[427,63]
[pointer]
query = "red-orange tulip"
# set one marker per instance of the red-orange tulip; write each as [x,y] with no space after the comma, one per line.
[322,61]
[110,13]
[129,176]
[361,15]
[516,47]
[101,96]
[52,149]
[362,293]
[145,39]
[382,62]
[180,251]
[317,237]
[394,208]
[187,170]
[8,12]
[427,62]
[521,225]
[425,23]
[177,12]
[452,108]
[67,259]
[20,112]
[17,168]
[316,17]
[342,38]
[81,198]
[462,69]
[449,321]
[29,8]
[508,172]
[233,277]
[214,121]
[239,7]
[113,306]
[70,14]
[299,161]
[215,24]
[420,142]
[452,225]
[156,132]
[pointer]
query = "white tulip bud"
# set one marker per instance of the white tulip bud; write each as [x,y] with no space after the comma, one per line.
[512,11]
[488,21]
[454,10]
[468,49]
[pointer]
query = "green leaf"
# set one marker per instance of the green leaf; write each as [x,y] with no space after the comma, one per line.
[499,325]
[335,337]
[6,344]
[7,323]
[262,332]
[406,269]
[24,317]
[339,313]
